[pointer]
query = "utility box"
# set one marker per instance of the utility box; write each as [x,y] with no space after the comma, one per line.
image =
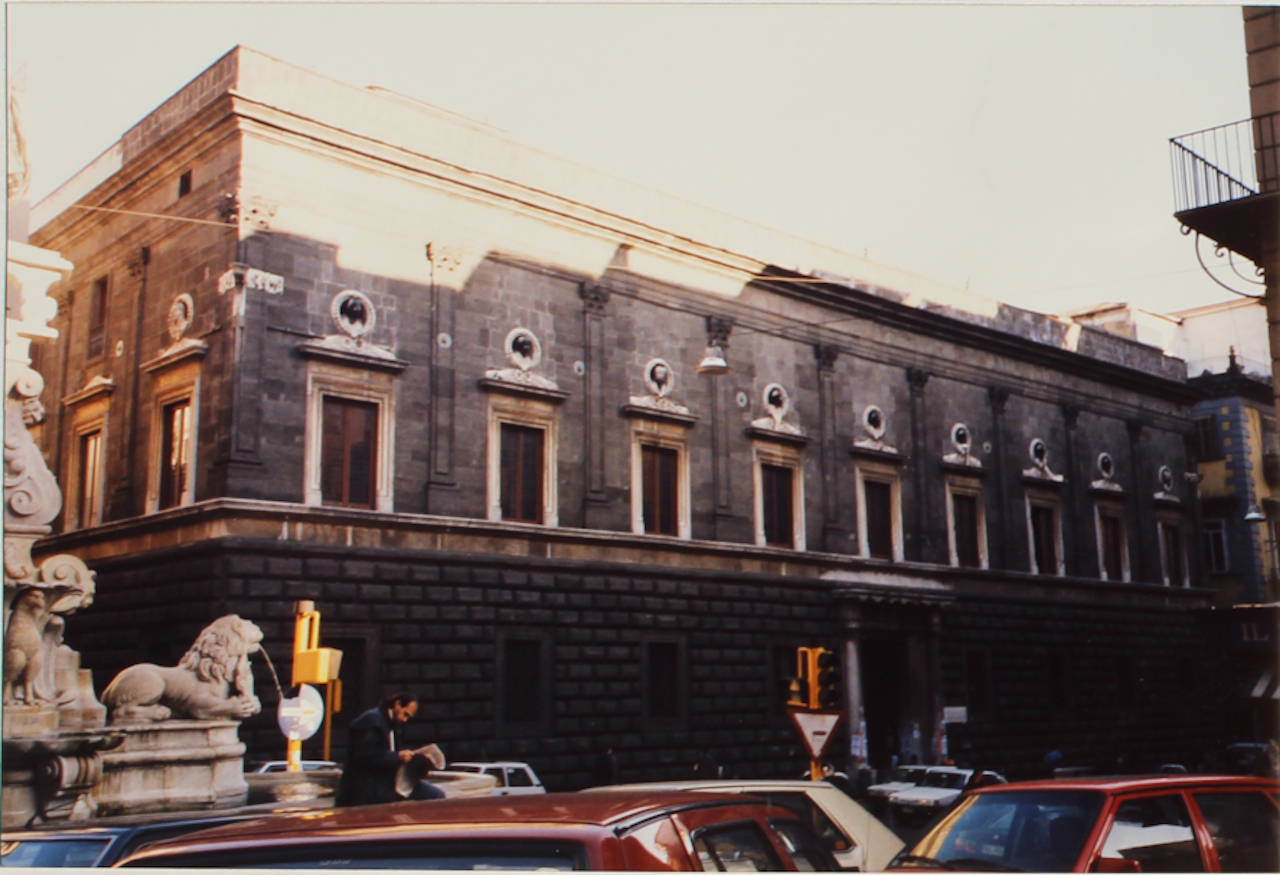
[316,666]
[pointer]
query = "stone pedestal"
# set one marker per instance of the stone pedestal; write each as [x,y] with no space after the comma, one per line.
[173,765]
[51,777]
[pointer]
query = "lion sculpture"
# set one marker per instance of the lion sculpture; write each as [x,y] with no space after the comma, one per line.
[212,681]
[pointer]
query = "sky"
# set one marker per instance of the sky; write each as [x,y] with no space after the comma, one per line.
[1019,151]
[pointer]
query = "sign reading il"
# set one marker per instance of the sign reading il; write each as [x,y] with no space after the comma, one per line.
[300,716]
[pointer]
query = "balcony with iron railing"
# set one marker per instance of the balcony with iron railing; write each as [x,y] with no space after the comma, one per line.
[1226,182]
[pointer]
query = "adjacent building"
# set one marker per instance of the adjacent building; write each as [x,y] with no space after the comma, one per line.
[1227,193]
[584,465]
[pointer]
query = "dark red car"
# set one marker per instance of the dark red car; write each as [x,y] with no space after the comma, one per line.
[634,830]
[1173,823]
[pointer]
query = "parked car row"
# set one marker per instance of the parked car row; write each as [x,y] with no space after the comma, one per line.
[1162,823]
[935,790]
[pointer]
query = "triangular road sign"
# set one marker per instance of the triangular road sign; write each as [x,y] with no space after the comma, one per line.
[817,728]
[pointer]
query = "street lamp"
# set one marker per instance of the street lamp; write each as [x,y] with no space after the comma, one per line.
[1253,591]
[713,362]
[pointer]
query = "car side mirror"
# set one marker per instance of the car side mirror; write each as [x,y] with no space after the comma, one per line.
[1116,864]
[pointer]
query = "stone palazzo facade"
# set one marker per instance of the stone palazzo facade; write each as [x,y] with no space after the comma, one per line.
[330,343]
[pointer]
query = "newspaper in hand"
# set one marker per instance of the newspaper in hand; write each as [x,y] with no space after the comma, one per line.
[415,770]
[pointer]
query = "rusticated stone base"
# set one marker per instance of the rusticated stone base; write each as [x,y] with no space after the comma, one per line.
[173,765]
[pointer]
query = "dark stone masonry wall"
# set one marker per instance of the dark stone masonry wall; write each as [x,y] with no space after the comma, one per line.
[431,623]
[1071,678]
[1110,689]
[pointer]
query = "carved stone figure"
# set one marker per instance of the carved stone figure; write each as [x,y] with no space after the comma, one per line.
[213,680]
[22,651]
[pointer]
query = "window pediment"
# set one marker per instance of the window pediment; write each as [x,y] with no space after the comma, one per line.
[97,387]
[353,352]
[186,349]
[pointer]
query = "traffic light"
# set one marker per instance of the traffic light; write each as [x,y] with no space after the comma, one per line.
[798,687]
[825,688]
[816,685]
[796,691]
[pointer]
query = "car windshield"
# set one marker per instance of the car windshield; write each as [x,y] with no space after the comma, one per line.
[950,780]
[907,775]
[1027,831]
[53,852]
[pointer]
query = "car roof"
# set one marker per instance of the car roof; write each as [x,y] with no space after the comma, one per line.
[514,816]
[487,763]
[617,810]
[728,786]
[1129,783]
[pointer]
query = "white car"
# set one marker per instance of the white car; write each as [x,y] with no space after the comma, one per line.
[283,766]
[903,778]
[941,786]
[855,838]
[513,779]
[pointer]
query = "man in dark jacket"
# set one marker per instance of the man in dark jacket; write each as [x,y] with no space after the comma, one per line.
[374,754]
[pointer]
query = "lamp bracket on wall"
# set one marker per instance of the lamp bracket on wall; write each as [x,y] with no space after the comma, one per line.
[1224,255]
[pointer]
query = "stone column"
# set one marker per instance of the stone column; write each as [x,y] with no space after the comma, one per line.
[444,266]
[718,330]
[595,298]
[919,542]
[1000,525]
[1144,566]
[854,698]
[832,539]
[1075,528]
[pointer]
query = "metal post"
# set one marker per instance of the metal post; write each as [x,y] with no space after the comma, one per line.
[306,636]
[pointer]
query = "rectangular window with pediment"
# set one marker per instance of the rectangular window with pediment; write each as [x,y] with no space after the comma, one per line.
[779,494]
[879,509]
[1214,534]
[522,460]
[659,475]
[523,682]
[523,452]
[175,452]
[665,689]
[348,452]
[1044,531]
[777,504]
[1113,547]
[659,483]
[175,429]
[85,477]
[349,444]
[89,470]
[97,326]
[966,523]
[1173,561]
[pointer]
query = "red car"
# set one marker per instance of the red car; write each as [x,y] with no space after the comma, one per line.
[633,830]
[1174,823]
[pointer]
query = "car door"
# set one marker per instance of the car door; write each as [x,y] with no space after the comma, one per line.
[520,781]
[499,774]
[1241,827]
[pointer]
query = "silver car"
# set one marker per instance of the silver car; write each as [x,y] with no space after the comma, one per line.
[513,779]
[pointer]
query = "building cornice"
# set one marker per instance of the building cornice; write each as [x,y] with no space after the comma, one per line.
[843,299]
[283,526]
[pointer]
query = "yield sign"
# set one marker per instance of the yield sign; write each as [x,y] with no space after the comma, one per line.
[817,728]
